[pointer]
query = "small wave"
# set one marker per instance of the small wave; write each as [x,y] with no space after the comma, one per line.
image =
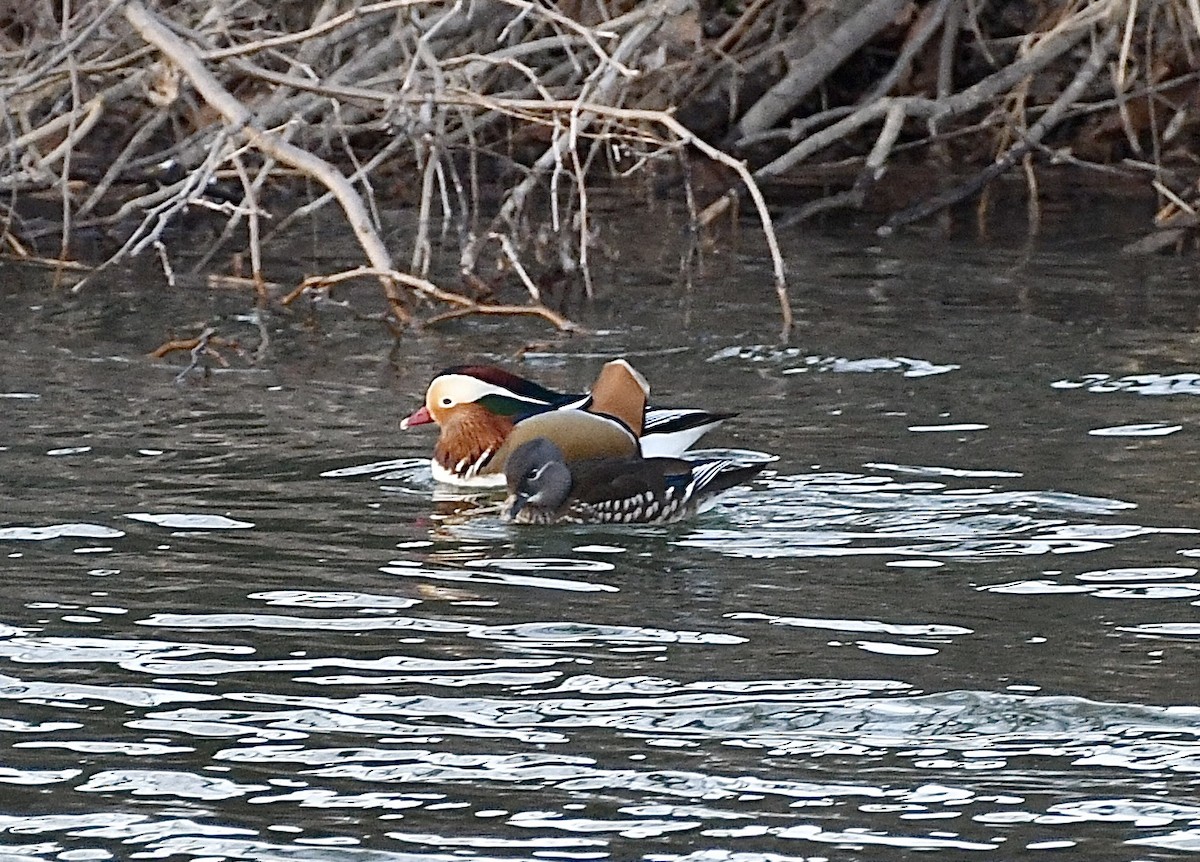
[1187,383]
[1150,429]
[177,521]
[507,578]
[391,469]
[180,785]
[59,531]
[846,515]
[798,363]
[961,426]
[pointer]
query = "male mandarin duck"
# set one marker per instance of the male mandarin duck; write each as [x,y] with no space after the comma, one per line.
[478,408]
[545,486]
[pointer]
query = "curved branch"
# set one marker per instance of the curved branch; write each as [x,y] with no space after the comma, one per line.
[236,116]
[818,64]
[1032,137]
[466,305]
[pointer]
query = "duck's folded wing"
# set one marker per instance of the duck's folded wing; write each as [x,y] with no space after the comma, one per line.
[670,431]
[617,480]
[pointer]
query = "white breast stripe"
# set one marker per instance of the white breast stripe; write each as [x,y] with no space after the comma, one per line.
[488,480]
[474,469]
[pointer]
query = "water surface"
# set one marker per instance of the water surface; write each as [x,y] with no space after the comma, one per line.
[958,615]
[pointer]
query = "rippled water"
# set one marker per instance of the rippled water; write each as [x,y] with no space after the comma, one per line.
[958,615]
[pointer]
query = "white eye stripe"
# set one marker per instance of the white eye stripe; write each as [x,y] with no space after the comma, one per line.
[464,389]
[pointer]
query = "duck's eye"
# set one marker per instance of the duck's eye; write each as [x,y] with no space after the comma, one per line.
[446,402]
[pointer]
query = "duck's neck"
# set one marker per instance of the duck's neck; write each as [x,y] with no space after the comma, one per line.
[468,440]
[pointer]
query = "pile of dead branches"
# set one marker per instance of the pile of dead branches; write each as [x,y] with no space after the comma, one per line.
[121,117]
[976,90]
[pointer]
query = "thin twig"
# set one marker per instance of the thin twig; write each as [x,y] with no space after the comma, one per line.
[1079,84]
[465,305]
[236,115]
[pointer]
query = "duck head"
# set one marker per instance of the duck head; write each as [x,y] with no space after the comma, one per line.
[539,482]
[484,387]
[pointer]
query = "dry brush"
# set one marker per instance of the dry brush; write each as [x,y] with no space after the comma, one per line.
[122,117]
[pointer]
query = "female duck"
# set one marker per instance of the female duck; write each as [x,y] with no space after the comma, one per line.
[545,487]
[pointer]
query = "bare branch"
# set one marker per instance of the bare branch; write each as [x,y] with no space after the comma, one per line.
[236,116]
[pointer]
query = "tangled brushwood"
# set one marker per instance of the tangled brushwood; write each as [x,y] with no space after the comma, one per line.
[121,117]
